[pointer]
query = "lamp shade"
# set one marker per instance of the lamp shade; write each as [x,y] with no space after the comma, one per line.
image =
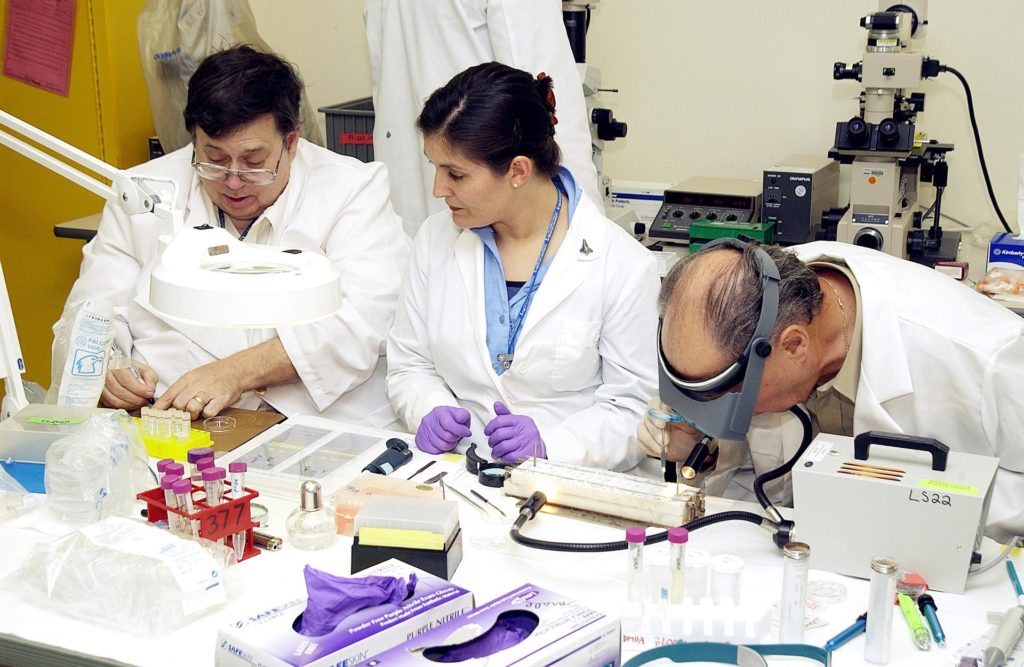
[205,276]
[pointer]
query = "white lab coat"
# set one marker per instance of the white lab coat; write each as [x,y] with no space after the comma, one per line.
[585,361]
[939,360]
[332,204]
[417,46]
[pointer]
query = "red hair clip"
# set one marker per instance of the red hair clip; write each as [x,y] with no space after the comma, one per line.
[549,97]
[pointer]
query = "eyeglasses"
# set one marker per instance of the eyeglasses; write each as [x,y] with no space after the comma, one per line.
[215,172]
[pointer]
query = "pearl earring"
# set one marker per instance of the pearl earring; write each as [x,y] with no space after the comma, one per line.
[515,185]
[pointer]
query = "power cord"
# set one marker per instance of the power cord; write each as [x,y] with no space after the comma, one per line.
[977,140]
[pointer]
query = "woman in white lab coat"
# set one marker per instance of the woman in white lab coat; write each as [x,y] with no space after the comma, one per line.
[527,322]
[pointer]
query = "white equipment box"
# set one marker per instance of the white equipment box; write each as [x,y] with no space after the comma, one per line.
[855,499]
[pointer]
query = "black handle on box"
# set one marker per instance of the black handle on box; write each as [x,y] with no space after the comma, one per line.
[939,451]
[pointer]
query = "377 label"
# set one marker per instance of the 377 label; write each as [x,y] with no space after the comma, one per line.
[226,519]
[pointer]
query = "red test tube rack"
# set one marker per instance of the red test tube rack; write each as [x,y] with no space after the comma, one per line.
[217,523]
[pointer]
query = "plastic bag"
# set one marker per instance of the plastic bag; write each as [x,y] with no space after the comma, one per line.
[95,472]
[1005,283]
[126,574]
[14,499]
[174,37]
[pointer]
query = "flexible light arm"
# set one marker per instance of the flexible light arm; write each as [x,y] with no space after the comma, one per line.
[131,193]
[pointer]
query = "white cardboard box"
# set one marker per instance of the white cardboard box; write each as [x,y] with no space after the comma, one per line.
[567,634]
[265,638]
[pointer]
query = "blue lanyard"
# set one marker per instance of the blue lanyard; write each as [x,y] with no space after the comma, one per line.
[245,232]
[517,323]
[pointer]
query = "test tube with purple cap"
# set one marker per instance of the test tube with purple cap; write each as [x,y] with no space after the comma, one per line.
[199,466]
[237,470]
[183,499]
[195,454]
[167,484]
[213,483]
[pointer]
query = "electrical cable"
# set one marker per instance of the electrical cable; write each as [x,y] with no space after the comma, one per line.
[977,142]
[978,569]
[780,528]
[761,480]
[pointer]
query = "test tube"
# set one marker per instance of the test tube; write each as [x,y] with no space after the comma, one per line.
[881,598]
[635,537]
[199,466]
[195,454]
[677,538]
[213,483]
[176,469]
[237,470]
[697,563]
[794,593]
[726,571]
[167,484]
[183,498]
[161,466]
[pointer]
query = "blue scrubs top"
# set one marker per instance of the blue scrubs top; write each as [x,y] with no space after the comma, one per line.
[499,307]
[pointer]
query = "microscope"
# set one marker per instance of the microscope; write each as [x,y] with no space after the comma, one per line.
[888,161]
[603,125]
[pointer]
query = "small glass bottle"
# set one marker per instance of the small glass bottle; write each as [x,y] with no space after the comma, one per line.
[635,538]
[677,538]
[881,598]
[794,593]
[311,525]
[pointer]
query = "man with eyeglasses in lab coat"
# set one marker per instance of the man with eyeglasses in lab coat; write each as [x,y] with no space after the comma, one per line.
[249,172]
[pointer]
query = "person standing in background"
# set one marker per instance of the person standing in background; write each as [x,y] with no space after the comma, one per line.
[416,47]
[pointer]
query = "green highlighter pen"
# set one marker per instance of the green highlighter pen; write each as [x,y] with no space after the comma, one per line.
[913,617]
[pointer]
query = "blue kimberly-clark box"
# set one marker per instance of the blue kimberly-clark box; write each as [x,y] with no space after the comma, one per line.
[266,637]
[525,627]
[1005,251]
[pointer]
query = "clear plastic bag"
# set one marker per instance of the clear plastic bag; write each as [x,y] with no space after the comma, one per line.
[14,499]
[95,472]
[1004,283]
[174,37]
[126,574]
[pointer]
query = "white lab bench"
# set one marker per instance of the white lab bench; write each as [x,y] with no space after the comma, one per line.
[31,634]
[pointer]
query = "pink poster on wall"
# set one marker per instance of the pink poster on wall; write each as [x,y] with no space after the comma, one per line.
[37,43]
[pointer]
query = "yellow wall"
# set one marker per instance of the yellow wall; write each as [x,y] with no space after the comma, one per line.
[106,114]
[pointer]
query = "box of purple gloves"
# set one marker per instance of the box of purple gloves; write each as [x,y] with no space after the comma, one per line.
[343,621]
[527,626]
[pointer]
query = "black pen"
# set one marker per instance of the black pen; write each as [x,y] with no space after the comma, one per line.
[849,633]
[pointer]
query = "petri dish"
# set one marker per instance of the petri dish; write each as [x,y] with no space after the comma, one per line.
[826,592]
[259,514]
[219,424]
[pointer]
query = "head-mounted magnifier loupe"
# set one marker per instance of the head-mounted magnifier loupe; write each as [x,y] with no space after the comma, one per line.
[722,405]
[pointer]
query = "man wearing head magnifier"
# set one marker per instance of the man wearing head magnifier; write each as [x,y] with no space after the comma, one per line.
[858,339]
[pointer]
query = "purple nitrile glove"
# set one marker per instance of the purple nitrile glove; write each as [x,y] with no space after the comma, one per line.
[442,428]
[513,438]
[332,598]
